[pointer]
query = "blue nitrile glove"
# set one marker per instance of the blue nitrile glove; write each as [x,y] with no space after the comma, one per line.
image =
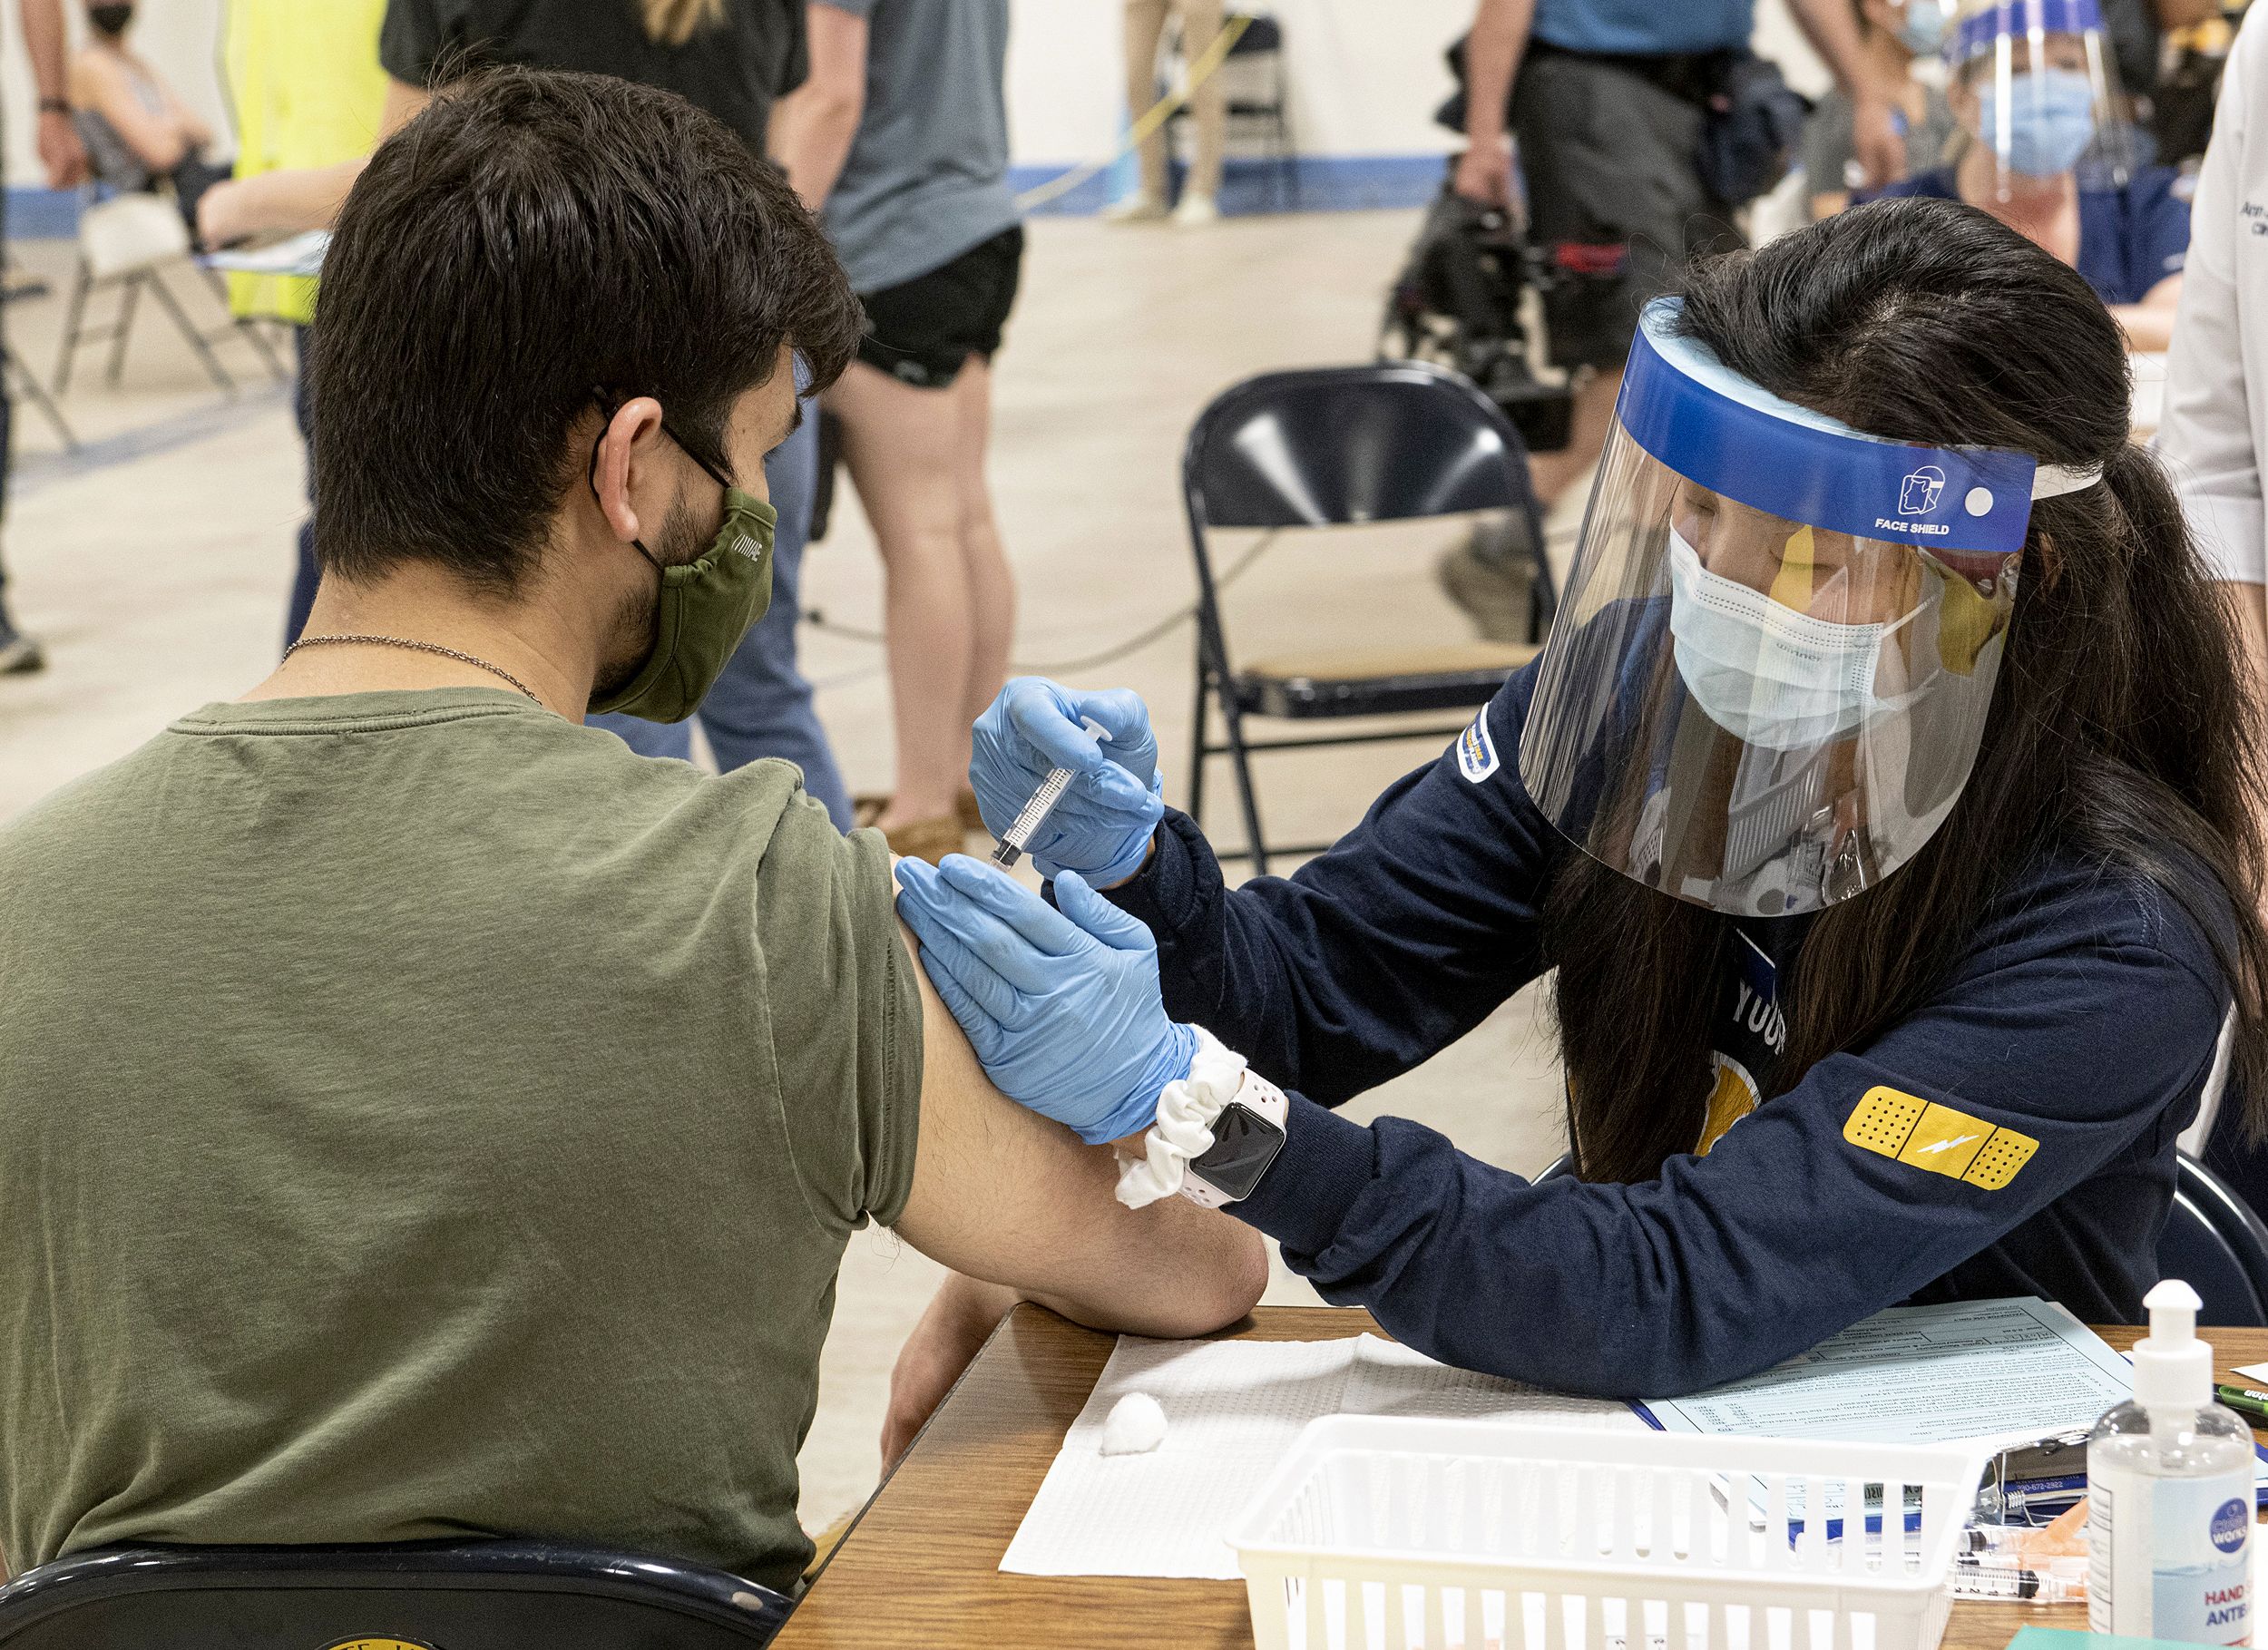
[1101,828]
[1061,1006]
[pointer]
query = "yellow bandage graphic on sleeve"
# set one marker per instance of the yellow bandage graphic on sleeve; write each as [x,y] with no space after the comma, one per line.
[1928,1136]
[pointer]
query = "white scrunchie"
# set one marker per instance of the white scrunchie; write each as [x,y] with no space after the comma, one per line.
[1184,1130]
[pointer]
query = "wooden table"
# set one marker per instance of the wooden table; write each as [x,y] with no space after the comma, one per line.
[920,1565]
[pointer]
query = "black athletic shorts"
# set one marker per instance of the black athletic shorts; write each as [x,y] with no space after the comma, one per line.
[1614,193]
[922,331]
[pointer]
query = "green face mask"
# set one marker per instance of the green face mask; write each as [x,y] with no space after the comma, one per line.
[705,607]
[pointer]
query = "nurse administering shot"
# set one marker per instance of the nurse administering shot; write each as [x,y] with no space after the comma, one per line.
[1880,801]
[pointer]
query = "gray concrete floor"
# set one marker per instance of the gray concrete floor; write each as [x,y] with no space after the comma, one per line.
[155,569]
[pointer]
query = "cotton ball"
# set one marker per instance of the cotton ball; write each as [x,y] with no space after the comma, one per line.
[1137,1426]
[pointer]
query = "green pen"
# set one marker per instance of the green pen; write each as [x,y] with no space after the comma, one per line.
[2244,1399]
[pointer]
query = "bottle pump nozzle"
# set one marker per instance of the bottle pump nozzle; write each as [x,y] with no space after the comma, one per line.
[2171,1365]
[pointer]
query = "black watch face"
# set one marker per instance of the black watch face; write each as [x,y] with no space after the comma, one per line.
[1243,1144]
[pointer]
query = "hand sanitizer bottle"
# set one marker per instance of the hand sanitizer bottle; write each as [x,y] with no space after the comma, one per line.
[2170,1493]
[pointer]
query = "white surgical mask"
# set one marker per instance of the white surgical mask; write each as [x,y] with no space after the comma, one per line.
[1764,672]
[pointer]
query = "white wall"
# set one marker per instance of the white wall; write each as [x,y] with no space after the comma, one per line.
[1365,75]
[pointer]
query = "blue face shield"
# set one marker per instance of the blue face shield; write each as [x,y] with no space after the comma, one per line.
[2050,120]
[1774,661]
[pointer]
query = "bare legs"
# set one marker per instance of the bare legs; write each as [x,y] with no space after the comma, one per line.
[917,457]
[1554,473]
[1145,27]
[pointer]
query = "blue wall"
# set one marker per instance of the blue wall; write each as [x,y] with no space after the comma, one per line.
[1305,183]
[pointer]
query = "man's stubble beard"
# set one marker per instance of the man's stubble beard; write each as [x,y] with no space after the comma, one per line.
[631,638]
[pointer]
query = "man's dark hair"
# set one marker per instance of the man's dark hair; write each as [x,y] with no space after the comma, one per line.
[529,240]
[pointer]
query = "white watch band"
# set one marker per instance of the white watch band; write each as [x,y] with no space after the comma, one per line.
[1256,1094]
[1184,1128]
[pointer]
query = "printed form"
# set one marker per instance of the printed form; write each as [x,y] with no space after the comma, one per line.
[1923,1375]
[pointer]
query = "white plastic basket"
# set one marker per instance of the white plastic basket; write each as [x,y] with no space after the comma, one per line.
[1385,1534]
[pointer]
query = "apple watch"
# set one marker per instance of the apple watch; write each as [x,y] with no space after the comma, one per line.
[1247,1136]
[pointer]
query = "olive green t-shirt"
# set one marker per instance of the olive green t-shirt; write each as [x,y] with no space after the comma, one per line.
[422,1116]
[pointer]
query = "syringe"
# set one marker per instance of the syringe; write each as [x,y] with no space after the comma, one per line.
[1018,836]
[2045,1581]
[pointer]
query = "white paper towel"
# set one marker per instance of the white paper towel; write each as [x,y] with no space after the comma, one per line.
[1232,1410]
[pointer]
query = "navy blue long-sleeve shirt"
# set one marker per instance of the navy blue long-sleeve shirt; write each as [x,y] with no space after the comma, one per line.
[2015,1136]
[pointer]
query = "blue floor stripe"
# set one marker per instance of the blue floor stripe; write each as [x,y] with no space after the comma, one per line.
[1252,184]
[36,470]
[1249,184]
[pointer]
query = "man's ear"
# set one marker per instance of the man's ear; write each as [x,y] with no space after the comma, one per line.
[627,450]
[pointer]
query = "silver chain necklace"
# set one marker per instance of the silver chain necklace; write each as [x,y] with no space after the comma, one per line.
[416,646]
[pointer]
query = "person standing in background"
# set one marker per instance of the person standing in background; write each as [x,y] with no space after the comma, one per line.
[66,162]
[1607,99]
[2213,430]
[311,98]
[1898,37]
[731,58]
[1208,107]
[902,134]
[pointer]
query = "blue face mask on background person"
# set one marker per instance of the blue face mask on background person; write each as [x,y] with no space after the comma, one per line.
[2051,120]
[1922,29]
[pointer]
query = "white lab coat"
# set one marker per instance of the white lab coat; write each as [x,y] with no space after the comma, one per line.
[2215,428]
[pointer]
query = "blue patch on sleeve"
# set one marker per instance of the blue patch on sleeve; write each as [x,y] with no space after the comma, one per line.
[1476,752]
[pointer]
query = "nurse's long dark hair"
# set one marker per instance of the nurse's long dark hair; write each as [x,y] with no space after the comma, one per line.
[2123,729]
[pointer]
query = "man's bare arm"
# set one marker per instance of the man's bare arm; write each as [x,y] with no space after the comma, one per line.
[305,197]
[1005,1196]
[1834,32]
[60,151]
[1493,48]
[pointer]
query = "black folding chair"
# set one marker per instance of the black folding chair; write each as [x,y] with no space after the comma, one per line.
[15,288]
[1340,447]
[2215,1244]
[455,1595]
[1260,105]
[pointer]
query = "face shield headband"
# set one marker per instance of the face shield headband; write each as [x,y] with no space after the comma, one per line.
[1770,676]
[1717,429]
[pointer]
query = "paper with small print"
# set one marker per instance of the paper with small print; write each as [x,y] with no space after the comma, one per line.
[1923,1375]
[1233,1409]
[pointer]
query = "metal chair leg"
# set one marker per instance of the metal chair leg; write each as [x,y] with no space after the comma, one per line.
[1214,660]
[1198,743]
[246,327]
[72,325]
[252,332]
[197,340]
[37,394]
[1233,719]
[1543,595]
[129,299]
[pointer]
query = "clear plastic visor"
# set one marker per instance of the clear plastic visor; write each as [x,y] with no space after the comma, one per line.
[1755,713]
[2035,87]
